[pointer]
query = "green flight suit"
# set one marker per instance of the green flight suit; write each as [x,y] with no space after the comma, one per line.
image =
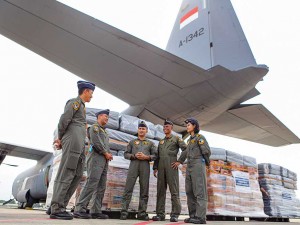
[97,167]
[72,133]
[195,182]
[167,154]
[138,168]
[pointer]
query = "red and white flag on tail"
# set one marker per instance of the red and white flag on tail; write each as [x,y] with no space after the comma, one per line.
[191,15]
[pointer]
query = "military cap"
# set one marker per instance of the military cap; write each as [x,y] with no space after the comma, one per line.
[104,111]
[85,84]
[142,124]
[194,122]
[168,122]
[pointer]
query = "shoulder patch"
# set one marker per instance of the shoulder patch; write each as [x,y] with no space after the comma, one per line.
[96,129]
[76,105]
[162,142]
[201,141]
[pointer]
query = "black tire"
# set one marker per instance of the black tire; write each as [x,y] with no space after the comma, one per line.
[30,202]
[21,205]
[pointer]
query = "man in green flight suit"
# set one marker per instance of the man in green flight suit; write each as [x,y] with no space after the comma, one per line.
[71,139]
[197,154]
[140,151]
[168,149]
[97,167]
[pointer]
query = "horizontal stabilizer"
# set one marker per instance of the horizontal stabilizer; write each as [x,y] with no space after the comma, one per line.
[253,123]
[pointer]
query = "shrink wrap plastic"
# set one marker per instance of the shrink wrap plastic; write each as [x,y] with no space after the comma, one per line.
[129,124]
[232,185]
[233,190]
[218,154]
[279,183]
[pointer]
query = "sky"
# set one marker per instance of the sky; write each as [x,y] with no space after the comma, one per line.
[35,90]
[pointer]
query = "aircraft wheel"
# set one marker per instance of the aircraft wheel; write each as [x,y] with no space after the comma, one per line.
[21,205]
[30,202]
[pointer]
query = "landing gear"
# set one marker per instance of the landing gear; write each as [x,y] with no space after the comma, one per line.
[21,205]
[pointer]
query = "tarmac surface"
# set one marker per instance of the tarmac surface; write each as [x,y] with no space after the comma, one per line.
[35,216]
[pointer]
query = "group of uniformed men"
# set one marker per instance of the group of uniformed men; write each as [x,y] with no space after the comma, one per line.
[140,151]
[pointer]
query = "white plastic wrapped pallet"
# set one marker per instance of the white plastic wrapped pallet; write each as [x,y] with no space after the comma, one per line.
[234,157]
[281,199]
[218,154]
[129,124]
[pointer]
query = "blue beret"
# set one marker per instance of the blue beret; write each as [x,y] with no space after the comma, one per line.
[142,124]
[192,121]
[85,84]
[168,122]
[104,111]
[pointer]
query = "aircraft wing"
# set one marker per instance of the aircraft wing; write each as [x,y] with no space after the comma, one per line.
[253,123]
[155,83]
[20,151]
[125,66]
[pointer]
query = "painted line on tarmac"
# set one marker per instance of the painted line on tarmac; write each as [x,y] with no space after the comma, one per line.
[24,220]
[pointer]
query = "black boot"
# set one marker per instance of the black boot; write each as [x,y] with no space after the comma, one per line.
[174,218]
[99,216]
[143,216]
[159,218]
[48,212]
[123,216]
[188,220]
[198,220]
[82,215]
[61,216]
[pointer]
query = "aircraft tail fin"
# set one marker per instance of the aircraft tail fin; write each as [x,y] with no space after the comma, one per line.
[208,33]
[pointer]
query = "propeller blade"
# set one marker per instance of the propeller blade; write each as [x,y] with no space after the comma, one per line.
[10,164]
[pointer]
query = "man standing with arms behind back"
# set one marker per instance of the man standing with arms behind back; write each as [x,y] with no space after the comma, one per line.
[168,149]
[71,138]
[97,167]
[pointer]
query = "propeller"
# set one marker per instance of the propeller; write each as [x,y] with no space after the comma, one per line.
[8,201]
[10,164]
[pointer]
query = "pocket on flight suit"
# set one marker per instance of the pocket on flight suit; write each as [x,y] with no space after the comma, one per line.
[73,160]
[80,166]
[94,167]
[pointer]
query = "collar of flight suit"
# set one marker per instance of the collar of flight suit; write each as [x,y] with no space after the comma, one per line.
[101,128]
[168,138]
[79,99]
[145,139]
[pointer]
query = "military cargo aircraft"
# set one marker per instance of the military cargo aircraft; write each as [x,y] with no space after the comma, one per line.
[30,186]
[207,72]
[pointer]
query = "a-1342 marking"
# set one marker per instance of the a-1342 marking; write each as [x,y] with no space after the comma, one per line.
[191,37]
